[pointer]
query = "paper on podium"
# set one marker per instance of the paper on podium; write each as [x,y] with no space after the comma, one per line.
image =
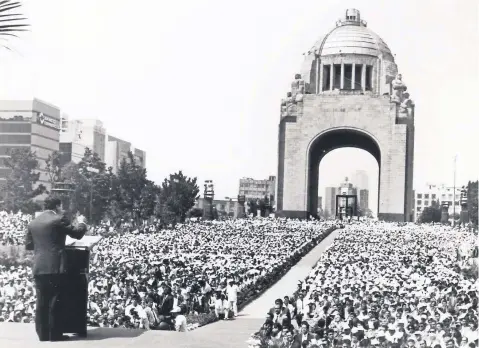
[86,242]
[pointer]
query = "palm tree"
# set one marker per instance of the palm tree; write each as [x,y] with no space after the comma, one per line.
[10,23]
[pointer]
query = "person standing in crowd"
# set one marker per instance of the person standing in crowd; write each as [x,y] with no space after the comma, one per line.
[46,236]
[232,293]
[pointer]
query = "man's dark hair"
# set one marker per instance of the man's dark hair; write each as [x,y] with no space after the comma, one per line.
[279,301]
[52,203]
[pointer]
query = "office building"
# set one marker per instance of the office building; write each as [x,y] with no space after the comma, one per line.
[424,196]
[360,179]
[330,201]
[79,134]
[364,199]
[257,189]
[32,124]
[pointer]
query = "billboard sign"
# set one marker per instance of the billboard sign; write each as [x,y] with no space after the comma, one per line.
[48,121]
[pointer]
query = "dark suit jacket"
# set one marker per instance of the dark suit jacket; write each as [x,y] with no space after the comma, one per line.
[46,235]
[298,340]
[284,313]
[166,305]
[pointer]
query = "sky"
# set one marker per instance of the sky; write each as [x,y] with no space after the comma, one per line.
[198,84]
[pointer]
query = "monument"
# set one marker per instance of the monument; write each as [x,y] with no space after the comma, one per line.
[349,94]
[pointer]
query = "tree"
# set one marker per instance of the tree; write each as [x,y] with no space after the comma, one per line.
[253,207]
[54,168]
[178,195]
[92,192]
[472,188]
[11,22]
[20,186]
[431,213]
[196,213]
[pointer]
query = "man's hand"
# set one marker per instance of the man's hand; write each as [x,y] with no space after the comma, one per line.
[81,219]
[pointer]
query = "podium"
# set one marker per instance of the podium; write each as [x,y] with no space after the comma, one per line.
[74,297]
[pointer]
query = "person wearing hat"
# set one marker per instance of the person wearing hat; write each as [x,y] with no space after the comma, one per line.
[46,236]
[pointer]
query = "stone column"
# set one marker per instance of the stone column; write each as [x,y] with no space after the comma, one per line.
[353,76]
[341,85]
[363,78]
[320,77]
[331,77]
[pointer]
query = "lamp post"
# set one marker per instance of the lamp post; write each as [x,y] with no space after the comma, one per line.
[454,195]
[90,181]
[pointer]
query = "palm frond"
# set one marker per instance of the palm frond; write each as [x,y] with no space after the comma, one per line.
[11,23]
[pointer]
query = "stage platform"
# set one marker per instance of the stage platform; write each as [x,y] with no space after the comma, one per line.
[222,334]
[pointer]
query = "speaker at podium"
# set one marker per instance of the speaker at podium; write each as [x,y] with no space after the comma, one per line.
[74,296]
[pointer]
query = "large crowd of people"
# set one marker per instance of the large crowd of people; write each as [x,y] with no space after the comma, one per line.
[154,279]
[380,285]
[13,227]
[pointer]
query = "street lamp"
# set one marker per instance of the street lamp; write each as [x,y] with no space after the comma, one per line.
[90,181]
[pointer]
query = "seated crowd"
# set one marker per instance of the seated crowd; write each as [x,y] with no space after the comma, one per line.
[380,285]
[157,280]
[13,227]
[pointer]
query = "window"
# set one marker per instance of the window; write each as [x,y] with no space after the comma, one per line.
[358,70]
[426,203]
[450,196]
[456,202]
[348,76]
[326,77]
[419,202]
[369,78]
[433,196]
[15,139]
[419,195]
[15,127]
[419,208]
[443,195]
[426,195]
[337,76]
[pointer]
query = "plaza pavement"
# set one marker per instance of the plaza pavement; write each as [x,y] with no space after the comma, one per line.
[222,334]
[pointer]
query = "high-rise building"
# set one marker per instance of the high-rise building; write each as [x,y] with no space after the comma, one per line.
[32,124]
[77,135]
[361,180]
[364,199]
[424,196]
[257,189]
[330,201]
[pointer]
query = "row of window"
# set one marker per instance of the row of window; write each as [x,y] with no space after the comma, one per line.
[433,196]
[334,71]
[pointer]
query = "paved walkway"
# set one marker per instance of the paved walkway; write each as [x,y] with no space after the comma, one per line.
[222,334]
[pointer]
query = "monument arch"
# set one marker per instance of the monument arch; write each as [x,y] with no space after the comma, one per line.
[349,94]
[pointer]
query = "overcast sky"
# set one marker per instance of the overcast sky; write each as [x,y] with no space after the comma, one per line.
[198,84]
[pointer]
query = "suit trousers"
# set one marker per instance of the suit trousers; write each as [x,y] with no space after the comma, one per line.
[48,308]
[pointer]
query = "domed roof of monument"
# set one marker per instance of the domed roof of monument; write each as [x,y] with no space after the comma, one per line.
[352,36]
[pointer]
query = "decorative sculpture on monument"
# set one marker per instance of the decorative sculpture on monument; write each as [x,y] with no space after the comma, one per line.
[288,105]
[400,97]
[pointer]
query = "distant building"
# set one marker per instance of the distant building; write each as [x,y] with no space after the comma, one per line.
[330,201]
[77,135]
[424,196]
[227,206]
[361,180]
[32,124]
[364,199]
[257,189]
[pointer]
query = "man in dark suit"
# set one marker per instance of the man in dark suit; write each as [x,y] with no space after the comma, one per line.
[280,313]
[46,235]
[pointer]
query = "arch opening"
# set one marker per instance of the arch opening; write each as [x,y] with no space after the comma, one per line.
[332,140]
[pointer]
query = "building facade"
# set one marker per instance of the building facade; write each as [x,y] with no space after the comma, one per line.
[79,134]
[32,124]
[227,206]
[424,196]
[330,201]
[360,179]
[364,199]
[257,189]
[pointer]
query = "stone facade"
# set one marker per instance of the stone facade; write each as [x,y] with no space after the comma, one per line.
[371,111]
